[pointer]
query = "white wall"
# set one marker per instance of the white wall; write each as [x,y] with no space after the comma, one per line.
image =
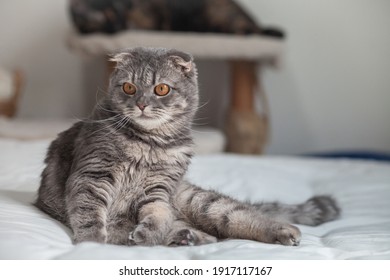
[333,91]
[32,34]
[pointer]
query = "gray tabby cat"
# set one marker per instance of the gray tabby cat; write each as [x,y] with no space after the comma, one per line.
[119,177]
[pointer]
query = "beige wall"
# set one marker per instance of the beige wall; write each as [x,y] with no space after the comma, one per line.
[332,92]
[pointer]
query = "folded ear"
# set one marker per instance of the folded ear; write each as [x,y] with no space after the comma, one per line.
[181,60]
[120,56]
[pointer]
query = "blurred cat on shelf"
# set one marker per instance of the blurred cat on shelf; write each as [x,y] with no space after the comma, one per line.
[214,16]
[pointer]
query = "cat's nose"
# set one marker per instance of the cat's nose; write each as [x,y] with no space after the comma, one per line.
[141,106]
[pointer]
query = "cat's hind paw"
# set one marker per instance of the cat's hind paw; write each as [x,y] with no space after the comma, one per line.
[184,237]
[187,237]
[288,235]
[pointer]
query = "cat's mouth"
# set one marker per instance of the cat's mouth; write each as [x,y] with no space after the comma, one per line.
[148,118]
[144,116]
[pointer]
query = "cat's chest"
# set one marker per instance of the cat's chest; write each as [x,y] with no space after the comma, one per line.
[146,167]
[149,157]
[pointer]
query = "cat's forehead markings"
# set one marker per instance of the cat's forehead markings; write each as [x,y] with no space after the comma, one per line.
[131,76]
[142,75]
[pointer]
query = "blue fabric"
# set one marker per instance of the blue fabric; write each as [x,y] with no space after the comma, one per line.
[361,155]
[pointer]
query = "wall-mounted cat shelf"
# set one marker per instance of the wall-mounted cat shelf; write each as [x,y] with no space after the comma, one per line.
[246,130]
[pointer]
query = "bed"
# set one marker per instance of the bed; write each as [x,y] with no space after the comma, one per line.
[361,187]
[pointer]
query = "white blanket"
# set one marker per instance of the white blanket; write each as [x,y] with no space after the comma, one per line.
[361,187]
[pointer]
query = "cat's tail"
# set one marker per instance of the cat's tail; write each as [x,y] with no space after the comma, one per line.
[313,212]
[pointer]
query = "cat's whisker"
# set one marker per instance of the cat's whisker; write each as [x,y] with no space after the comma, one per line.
[120,123]
[202,105]
[97,101]
[91,121]
[110,124]
[168,126]
[198,131]
[99,120]
[200,123]
[115,126]
[124,122]
[200,118]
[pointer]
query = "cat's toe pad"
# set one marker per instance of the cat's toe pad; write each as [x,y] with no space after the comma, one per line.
[184,237]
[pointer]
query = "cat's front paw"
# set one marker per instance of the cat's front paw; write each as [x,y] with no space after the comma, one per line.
[145,235]
[288,235]
[89,236]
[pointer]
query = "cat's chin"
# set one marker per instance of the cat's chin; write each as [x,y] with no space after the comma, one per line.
[147,122]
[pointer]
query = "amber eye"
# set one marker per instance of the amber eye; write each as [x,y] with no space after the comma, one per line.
[129,88]
[162,89]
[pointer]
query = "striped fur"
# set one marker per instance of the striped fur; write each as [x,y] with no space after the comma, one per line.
[118,177]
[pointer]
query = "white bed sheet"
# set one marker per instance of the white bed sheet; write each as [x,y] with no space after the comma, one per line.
[361,187]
